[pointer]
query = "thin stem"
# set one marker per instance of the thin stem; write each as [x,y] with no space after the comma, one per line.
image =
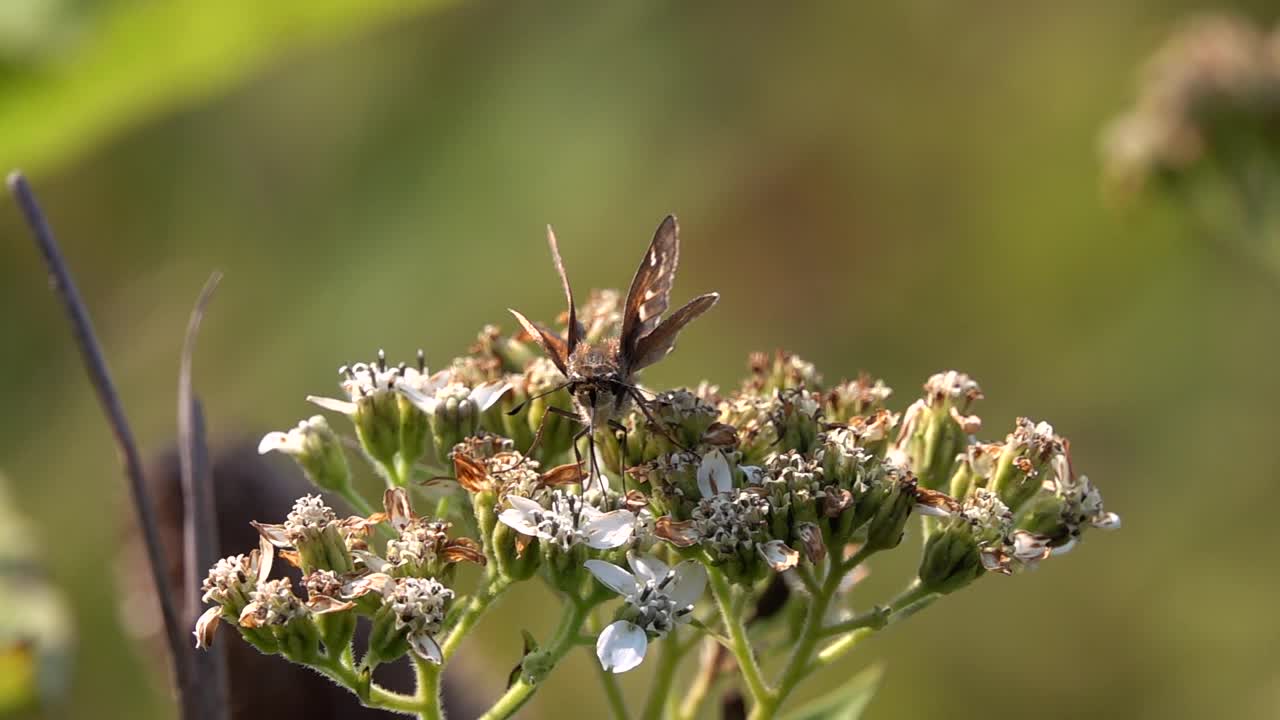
[702,683]
[479,605]
[356,501]
[575,612]
[911,601]
[207,698]
[874,619]
[739,644]
[104,388]
[811,633]
[341,672]
[660,691]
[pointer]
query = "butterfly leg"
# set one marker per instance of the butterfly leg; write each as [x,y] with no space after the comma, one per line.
[661,426]
[621,431]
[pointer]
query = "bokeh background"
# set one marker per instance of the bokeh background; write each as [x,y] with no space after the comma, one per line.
[900,188]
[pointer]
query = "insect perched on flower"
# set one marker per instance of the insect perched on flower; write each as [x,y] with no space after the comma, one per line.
[600,376]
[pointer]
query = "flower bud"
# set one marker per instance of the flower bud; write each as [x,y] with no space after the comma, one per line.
[894,499]
[783,371]
[951,559]
[316,449]
[855,398]
[935,429]
[1027,453]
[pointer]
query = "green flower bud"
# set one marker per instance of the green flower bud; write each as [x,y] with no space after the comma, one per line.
[855,398]
[316,449]
[935,430]
[797,417]
[1027,453]
[783,371]
[454,410]
[951,559]
[895,497]
[312,529]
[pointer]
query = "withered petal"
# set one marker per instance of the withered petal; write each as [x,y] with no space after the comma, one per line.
[470,473]
[567,474]
[680,533]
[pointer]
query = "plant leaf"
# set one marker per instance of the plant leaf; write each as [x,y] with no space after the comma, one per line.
[81,77]
[845,702]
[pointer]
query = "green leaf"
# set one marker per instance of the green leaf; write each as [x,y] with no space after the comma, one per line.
[73,76]
[845,702]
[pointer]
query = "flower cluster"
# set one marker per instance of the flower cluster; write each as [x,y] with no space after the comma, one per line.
[783,483]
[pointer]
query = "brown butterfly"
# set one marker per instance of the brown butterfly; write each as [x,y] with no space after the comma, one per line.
[600,376]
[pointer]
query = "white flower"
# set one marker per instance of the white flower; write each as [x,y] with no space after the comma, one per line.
[427,392]
[360,381]
[658,598]
[295,441]
[570,520]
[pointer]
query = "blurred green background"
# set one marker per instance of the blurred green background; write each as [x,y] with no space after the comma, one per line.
[903,188]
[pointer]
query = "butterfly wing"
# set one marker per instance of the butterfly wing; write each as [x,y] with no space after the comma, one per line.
[552,344]
[575,331]
[651,287]
[657,344]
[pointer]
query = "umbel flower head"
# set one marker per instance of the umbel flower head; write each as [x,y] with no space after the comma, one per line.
[230,585]
[658,598]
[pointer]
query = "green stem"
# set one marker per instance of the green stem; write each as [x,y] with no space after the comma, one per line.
[428,695]
[479,605]
[575,612]
[379,697]
[911,601]
[356,501]
[761,694]
[811,633]
[660,691]
[701,684]
[874,619]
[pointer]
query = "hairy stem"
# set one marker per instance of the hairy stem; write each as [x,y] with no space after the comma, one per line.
[660,691]
[428,693]
[739,644]
[575,613]
[340,671]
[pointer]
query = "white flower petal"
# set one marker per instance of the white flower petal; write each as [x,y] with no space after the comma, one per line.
[621,647]
[425,647]
[713,474]
[779,555]
[1108,521]
[690,582]
[753,473]
[342,406]
[1065,548]
[518,520]
[647,567]
[206,625]
[425,403]
[484,396]
[274,441]
[610,530]
[613,577]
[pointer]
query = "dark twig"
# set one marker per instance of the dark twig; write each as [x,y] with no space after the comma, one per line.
[100,378]
[206,699]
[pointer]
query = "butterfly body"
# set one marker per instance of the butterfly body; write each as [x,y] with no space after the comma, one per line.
[600,376]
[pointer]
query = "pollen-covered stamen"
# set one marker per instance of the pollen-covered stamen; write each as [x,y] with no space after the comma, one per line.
[421,543]
[419,603]
[309,517]
[656,611]
[987,515]
[273,603]
[230,581]
[730,521]
[323,583]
